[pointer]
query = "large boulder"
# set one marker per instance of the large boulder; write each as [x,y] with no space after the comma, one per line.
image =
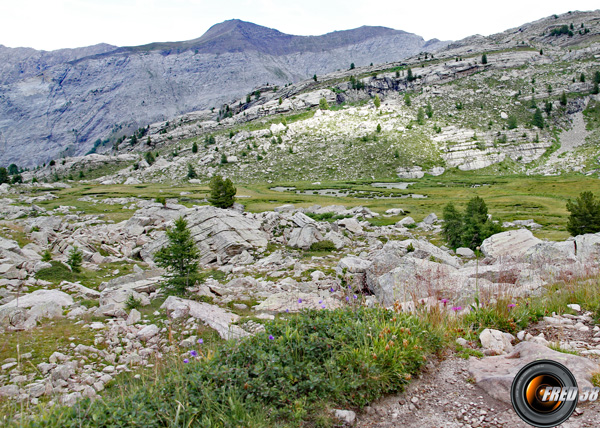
[587,247]
[215,317]
[39,297]
[414,279]
[304,237]
[219,234]
[513,243]
[495,374]
[551,252]
[496,342]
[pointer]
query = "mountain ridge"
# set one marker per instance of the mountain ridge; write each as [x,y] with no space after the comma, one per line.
[58,103]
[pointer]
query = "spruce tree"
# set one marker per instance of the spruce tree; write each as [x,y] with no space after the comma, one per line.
[179,257]
[453,226]
[191,172]
[563,99]
[377,101]
[3,175]
[585,214]
[538,119]
[323,104]
[484,59]
[477,226]
[195,147]
[75,259]
[222,192]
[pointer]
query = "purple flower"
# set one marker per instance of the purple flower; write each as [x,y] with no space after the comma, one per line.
[320,301]
[193,353]
[355,296]
[200,341]
[457,308]
[349,287]
[287,310]
[271,337]
[444,301]
[299,300]
[185,361]
[323,306]
[512,305]
[347,299]
[331,290]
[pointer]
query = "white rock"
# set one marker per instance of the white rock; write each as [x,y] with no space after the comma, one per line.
[41,296]
[575,307]
[513,243]
[465,252]
[496,341]
[147,332]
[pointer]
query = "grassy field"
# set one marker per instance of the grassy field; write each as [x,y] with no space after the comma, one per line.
[508,197]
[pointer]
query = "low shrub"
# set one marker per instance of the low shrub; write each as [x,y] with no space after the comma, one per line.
[325,245]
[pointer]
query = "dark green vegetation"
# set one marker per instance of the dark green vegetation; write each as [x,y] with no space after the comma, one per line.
[585,214]
[289,375]
[471,228]
[179,258]
[222,192]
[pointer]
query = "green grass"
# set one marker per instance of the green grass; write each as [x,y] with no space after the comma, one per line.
[90,278]
[288,376]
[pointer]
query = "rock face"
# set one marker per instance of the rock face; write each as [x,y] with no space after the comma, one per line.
[513,243]
[213,316]
[40,297]
[134,86]
[495,374]
[219,234]
[304,237]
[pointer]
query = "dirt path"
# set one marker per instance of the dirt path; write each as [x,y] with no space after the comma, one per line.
[445,396]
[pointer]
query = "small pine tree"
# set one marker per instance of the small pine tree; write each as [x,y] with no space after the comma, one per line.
[453,226]
[597,77]
[563,99]
[377,101]
[179,257]
[280,101]
[18,179]
[352,66]
[378,128]
[75,259]
[541,51]
[191,172]
[477,226]
[195,147]
[222,192]
[582,78]
[409,75]
[315,77]
[407,100]
[585,214]
[420,116]
[323,104]
[46,256]
[429,111]
[548,107]
[484,59]
[512,122]
[223,158]
[595,89]
[248,98]
[149,158]
[3,175]
[538,119]
[13,169]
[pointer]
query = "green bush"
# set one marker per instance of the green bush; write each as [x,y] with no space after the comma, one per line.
[75,259]
[222,192]
[132,303]
[585,214]
[325,245]
[149,158]
[284,376]
[323,104]
[471,228]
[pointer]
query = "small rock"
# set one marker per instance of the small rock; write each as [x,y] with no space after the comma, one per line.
[347,416]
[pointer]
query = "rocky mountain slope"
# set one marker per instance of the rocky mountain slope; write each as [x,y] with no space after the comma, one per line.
[60,102]
[456,112]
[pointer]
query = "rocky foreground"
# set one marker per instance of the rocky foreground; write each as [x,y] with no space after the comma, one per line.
[262,266]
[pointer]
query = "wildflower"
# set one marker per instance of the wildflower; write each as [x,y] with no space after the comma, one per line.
[347,299]
[185,361]
[193,353]
[320,301]
[200,341]
[350,287]
[512,305]
[323,306]
[271,337]
[355,296]
[331,290]
[299,300]
[457,308]
[444,301]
